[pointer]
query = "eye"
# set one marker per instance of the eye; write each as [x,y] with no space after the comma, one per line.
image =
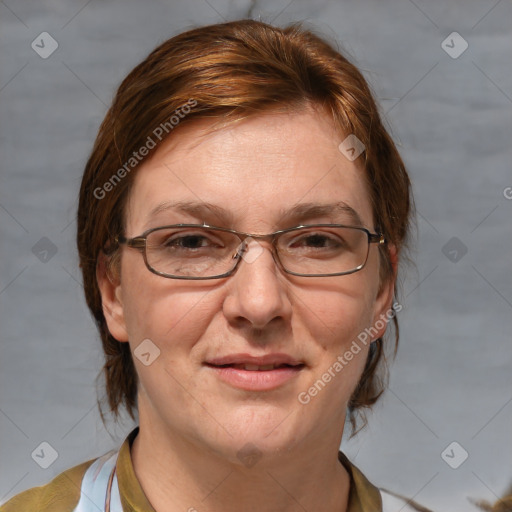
[185,240]
[192,241]
[317,240]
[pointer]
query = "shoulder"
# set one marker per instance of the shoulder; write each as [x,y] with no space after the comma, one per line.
[60,495]
[366,497]
[392,502]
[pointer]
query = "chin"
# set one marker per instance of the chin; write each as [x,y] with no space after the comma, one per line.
[266,428]
[247,451]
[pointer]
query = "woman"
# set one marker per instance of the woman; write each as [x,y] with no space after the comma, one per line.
[240,224]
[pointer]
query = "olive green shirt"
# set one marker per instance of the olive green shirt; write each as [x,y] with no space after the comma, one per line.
[63,492]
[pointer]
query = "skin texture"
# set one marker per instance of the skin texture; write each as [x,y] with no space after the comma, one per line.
[192,425]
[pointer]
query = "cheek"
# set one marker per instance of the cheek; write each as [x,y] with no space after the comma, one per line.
[334,320]
[335,316]
[171,313]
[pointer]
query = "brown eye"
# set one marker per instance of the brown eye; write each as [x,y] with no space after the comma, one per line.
[187,242]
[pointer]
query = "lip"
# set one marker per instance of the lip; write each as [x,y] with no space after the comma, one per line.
[276,359]
[256,380]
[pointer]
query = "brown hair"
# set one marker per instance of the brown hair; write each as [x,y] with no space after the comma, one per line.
[231,71]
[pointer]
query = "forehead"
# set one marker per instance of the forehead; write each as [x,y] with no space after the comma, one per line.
[254,175]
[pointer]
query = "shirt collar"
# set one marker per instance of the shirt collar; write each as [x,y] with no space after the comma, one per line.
[132,496]
[363,496]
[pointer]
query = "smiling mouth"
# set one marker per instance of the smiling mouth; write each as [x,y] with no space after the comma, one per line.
[258,368]
[249,376]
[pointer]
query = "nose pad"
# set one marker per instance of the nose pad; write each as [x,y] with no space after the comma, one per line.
[249,250]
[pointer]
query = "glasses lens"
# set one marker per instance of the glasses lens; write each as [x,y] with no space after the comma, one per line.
[191,252]
[323,250]
[198,252]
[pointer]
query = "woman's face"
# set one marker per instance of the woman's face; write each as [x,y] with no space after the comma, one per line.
[260,175]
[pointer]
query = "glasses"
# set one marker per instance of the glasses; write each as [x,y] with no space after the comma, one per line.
[191,251]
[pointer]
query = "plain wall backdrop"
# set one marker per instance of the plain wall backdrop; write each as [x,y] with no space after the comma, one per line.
[449,109]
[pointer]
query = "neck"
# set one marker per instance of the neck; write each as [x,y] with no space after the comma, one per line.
[176,475]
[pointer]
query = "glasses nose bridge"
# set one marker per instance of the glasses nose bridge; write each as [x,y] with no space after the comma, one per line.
[270,237]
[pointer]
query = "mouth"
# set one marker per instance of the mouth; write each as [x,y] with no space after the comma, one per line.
[251,373]
[257,368]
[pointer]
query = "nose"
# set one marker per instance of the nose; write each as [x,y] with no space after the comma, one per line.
[257,294]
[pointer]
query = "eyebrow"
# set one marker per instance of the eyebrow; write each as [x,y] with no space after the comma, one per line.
[304,211]
[298,213]
[199,210]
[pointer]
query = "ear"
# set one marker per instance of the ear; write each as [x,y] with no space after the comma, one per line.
[110,290]
[385,296]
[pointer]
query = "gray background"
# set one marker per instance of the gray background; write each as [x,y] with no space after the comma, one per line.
[452,119]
